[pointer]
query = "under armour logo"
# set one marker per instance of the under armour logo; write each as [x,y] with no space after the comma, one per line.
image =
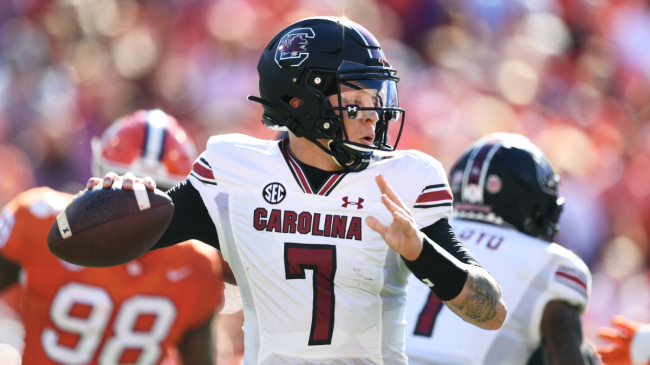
[66,230]
[352,110]
[346,203]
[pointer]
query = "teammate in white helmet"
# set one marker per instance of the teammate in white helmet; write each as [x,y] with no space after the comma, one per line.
[507,206]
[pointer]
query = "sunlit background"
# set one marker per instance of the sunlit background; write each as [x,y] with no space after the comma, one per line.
[572,75]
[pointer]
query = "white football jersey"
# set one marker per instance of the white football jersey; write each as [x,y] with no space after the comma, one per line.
[531,272]
[318,285]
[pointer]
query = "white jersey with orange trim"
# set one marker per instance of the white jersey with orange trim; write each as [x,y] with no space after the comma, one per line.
[318,285]
[531,272]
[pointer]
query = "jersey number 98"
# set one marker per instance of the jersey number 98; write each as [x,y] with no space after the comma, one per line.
[90,326]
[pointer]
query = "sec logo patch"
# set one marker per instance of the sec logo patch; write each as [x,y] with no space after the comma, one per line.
[274,193]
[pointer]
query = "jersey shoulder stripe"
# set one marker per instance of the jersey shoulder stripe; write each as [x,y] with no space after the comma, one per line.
[573,279]
[436,195]
[202,171]
[426,176]
[570,278]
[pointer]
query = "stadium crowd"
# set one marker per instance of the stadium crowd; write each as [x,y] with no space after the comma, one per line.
[572,75]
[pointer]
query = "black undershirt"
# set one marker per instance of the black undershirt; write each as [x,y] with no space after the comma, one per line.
[191,220]
[315,175]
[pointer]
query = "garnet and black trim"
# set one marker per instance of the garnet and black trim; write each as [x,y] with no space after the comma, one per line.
[437,195]
[203,172]
[330,184]
[427,318]
[301,177]
[436,186]
[433,205]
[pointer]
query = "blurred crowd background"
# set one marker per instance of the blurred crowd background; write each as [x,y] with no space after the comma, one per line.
[572,75]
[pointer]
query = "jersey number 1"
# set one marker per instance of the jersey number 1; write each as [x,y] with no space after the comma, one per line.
[299,257]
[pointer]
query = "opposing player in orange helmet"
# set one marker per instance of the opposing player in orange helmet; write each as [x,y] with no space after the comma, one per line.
[146,141]
[629,343]
[129,314]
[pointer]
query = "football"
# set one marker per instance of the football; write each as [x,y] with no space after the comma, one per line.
[108,227]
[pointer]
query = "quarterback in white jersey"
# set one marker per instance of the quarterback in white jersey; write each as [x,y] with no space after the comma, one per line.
[309,269]
[507,208]
[323,228]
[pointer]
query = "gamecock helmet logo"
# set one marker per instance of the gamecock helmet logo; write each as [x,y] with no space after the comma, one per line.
[292,48]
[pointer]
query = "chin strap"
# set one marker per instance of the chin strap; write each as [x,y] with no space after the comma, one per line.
[355,160]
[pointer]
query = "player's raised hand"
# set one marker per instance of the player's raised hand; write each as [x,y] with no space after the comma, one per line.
[127,180]
[402,235]
[617,352]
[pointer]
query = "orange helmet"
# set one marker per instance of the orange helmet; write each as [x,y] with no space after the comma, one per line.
[146,143]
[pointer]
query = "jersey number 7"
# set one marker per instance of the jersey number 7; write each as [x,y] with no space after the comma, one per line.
[299,257]
[427,318]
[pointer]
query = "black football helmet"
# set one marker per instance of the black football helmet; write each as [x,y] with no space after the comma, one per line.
[318,57]
[505,179]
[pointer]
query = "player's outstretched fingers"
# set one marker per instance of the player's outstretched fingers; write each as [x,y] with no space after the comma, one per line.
[92,182]
[402,216]
[611,335]
[390,204]
[109,179]
[376,225]
[402,220]
[386,189]
[128,180]
[628,327]
[148,182]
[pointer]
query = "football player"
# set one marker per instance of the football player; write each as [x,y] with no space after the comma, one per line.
[629,343]
[128,314]
[323,228]
[507,207]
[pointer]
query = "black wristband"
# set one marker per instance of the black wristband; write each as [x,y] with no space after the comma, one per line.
[442,272]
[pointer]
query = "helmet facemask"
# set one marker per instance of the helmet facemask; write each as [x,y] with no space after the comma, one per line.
[363,92]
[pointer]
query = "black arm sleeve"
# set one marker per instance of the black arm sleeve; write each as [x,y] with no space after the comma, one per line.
[191,219]
[440,264]
[441,233]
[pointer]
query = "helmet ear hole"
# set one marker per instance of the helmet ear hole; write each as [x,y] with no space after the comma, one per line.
[297,102]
